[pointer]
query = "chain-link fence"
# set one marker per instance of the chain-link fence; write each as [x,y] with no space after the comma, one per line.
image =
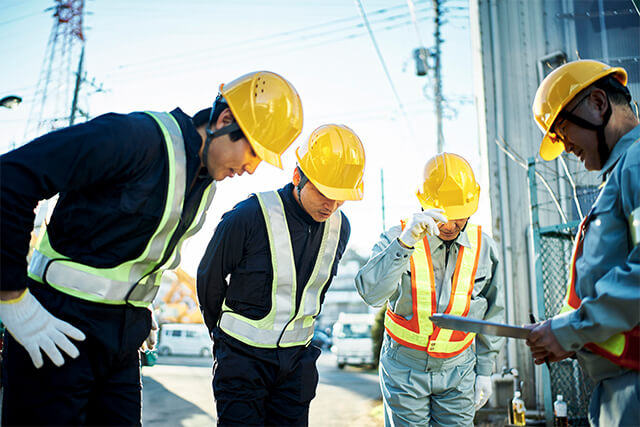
[553,246]
[566,376]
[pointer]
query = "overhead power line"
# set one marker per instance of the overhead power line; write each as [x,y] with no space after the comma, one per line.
[321,32]
[383,63]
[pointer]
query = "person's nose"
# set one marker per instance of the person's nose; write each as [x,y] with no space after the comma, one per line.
[331,204]
[568,147]
[251,167]
[448,227]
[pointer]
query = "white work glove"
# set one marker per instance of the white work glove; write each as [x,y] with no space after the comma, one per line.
[420,224]
[484,388]
[152,339]
[36,329]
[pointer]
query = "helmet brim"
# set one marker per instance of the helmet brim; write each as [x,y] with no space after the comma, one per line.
[268,156]
[342,194]
[550,149]
[451,212]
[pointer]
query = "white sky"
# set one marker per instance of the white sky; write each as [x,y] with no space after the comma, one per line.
[158,54]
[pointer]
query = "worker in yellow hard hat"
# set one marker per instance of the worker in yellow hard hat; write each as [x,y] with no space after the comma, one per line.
[263,278]
[584,107]
[436,262]
[131,188]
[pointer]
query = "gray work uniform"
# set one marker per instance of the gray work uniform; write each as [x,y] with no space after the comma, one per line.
[608,283]
[418,389]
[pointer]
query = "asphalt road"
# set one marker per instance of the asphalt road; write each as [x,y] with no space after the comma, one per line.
[177,392]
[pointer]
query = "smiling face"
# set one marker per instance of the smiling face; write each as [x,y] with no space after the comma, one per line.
[581,142]
[319,207]
[451,229]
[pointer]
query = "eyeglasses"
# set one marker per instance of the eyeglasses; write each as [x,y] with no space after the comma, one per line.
[557,131]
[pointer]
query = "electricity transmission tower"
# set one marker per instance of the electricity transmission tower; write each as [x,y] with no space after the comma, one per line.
[55,101]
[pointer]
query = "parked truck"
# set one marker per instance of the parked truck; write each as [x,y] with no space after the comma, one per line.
[352,343]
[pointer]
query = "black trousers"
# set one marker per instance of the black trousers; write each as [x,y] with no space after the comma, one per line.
[100,387]
[263,387]
[92,389]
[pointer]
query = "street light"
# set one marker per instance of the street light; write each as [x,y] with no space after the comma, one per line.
[10,101]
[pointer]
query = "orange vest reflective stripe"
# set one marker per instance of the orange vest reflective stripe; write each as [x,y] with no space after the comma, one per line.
[623,348]
[418,332]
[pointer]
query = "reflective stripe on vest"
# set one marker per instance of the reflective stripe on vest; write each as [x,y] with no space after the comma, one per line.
[623,349]
[634,227]
[286,325]
[418,332]
[135,281]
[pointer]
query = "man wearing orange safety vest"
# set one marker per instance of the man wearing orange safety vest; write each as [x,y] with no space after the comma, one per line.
[583,107]
[436,262]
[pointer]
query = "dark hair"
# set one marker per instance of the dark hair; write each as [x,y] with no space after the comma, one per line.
[303,179]
[618,93]
[201,118]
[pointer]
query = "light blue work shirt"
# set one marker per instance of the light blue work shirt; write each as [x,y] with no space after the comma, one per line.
[387,278]
[608,271]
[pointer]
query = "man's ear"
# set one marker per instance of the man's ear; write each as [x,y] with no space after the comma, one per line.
[224,119]
[296,177]
[598,97]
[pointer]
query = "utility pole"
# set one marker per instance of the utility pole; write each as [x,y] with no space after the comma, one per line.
[437,82]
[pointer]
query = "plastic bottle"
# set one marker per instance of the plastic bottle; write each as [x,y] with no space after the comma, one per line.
[560,418]
[518,410]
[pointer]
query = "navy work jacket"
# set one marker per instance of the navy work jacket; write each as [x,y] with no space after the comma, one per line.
[240,249]
[111,173]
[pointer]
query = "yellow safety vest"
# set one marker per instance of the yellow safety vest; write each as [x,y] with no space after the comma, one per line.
[136,281]
[623,348]
[286,325]
[418,331]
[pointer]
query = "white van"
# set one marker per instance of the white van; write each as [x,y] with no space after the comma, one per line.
[352,343]
[184,339]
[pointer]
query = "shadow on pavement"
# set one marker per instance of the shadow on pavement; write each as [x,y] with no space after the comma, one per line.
[160,407]
[360,380]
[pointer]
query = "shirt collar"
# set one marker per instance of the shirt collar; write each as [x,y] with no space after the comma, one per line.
[193,142]
[286,193]
[619,149]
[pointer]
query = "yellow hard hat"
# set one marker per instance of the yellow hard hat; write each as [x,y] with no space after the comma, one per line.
[268,110]
[333,160]
[558,89]
[449,184]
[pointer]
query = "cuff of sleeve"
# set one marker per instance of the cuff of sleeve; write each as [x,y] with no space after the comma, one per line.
[564,332]
[484,368]
[12,279]
[399,251]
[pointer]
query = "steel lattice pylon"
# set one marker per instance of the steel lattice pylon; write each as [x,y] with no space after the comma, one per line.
[53,106]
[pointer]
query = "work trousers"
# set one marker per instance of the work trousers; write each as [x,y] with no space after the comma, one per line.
[263,387]
[616,401]
[92,389]
[100,387]
[419,390]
